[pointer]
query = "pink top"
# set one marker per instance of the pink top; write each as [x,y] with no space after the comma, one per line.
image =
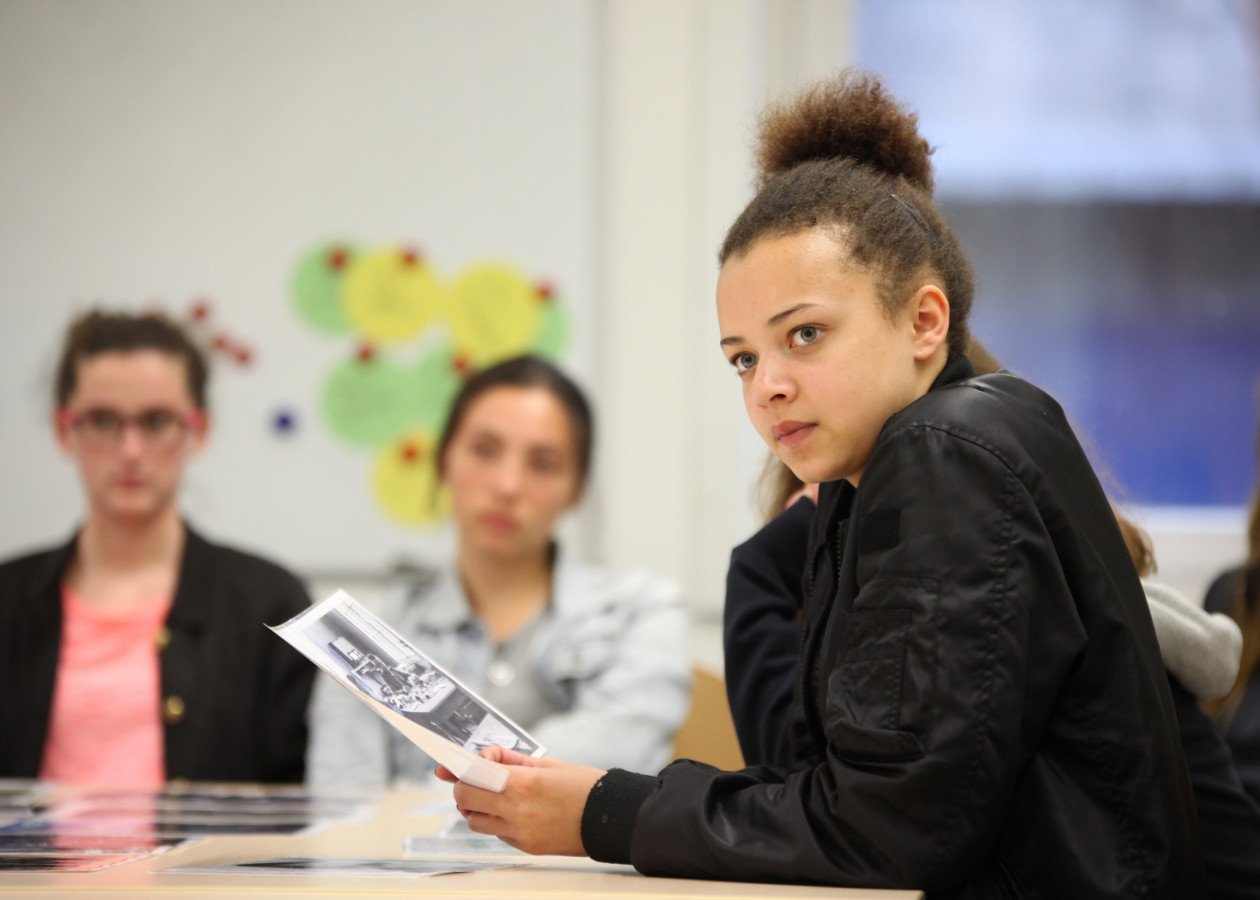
[106,726]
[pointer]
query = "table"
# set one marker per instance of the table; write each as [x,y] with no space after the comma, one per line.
[382,835]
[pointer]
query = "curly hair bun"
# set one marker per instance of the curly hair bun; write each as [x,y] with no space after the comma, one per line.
[850,115]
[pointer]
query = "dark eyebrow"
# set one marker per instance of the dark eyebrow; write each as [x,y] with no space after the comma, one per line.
[772,321]
[780,316]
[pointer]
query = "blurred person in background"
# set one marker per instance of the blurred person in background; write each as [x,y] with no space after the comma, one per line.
[138,652]
[593,663]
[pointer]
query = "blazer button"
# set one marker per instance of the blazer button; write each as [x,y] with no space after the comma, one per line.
[173,710]
[162,638]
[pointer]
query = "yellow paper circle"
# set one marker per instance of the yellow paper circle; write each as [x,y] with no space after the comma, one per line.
[495,313]
[405,481]
[391,295]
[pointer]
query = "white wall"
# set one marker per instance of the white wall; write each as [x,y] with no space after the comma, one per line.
[158,151]
[683,85]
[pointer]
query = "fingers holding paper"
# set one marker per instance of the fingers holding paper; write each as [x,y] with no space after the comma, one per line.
[496,754]
[540,808]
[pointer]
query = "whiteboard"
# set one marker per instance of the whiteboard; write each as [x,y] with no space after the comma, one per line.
[173,154]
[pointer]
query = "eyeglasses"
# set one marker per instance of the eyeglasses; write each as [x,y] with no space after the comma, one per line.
[102,429]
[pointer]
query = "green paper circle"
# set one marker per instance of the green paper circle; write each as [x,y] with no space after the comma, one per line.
[434,382]
[553,331]
[317,283]
[367,402]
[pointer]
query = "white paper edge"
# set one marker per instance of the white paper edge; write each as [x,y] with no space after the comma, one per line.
[464,764]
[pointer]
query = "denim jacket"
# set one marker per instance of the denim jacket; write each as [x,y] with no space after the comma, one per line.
[609,659]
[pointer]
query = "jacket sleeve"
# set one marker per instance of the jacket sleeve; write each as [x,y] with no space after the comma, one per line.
[1200,648]
[762,635]
[928,712]
[630,673]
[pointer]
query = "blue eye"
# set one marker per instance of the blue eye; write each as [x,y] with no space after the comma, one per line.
[805,334]
[743,362]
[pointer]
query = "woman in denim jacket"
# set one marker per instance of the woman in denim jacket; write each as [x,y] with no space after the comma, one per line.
[593,663]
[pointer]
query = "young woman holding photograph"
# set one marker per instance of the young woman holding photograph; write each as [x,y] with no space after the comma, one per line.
[980,682]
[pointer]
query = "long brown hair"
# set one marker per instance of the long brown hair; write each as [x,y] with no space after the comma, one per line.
[1244,608]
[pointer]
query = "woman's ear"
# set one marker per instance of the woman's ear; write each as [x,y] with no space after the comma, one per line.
[199,433]
[579,491]
[61,429]
[929,311]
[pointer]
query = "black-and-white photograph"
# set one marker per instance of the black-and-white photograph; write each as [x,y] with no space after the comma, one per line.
[379,662]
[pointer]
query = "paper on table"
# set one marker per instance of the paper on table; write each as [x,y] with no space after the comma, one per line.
[460,847]
[355,867]
[408,690]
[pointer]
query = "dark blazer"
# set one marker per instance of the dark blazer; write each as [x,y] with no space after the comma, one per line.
[233,694]
[980,684]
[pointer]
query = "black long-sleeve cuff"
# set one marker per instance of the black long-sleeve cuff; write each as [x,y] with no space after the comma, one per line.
[611,808]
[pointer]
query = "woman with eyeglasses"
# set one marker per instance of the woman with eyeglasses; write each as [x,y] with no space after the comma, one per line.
[138,653]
